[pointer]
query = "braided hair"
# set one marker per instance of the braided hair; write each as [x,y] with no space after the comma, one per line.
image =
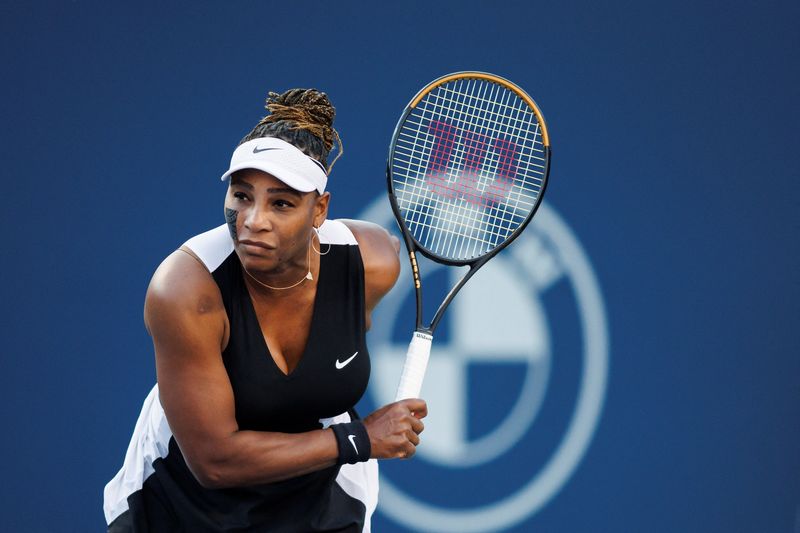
[303,118]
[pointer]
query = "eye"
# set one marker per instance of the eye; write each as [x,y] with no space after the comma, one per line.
[240,196]
[281,203]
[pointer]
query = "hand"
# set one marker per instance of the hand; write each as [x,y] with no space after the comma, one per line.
[394,429]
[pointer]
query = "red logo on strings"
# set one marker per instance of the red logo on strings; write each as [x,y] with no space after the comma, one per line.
[476,146]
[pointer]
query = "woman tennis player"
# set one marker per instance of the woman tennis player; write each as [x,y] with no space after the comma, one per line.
[259,333]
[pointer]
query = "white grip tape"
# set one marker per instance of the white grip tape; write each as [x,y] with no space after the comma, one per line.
[414,368]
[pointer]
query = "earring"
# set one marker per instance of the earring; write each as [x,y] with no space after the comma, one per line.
[316,230]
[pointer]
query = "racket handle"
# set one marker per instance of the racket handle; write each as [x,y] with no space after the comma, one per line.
[414,368]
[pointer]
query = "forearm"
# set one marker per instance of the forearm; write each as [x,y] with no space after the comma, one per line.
[254,457]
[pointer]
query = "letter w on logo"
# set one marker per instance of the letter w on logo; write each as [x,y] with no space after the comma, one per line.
[444,180]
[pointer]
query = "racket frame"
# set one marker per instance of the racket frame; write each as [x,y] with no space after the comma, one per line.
[412,245]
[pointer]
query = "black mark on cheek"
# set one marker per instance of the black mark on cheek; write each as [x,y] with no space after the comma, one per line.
[230,218]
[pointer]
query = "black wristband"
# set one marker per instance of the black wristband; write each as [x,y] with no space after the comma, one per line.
[353,441]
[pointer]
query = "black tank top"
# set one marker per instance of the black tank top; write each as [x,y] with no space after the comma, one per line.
[333,372]
[329,379]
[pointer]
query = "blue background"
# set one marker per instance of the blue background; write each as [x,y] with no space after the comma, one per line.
[674,130]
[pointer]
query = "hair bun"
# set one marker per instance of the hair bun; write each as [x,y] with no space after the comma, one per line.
[309,109]
[304,118]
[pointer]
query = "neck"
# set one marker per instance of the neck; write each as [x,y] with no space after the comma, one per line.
[298,276]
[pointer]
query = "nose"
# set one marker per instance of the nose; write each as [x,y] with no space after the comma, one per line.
[257,219]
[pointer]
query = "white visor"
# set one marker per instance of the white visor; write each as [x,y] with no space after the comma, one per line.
[282,160]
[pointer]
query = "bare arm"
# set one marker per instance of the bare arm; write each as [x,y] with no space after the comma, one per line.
[186,318]
[379,252]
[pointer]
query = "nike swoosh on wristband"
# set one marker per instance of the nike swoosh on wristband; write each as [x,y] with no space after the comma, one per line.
[352,439]
[258,150]
[341,364]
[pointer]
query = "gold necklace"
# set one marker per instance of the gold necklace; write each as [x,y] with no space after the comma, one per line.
[307,276]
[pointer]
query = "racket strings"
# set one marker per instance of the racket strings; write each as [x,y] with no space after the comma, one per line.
[505,121]
[450,104]
[505,115]
[419,151]
[464,192]
[460,222]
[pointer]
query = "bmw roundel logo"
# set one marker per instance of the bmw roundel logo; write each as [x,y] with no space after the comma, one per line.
[515,383]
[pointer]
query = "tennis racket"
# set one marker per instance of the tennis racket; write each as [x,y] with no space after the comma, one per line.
[467,169]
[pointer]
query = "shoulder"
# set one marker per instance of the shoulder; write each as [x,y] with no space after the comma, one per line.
[378,246]
[183,281]
[379,253]
[181,290]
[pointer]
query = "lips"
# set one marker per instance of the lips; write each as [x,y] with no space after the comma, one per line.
[255,247]
[256,243]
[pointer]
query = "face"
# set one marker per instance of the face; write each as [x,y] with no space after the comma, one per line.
[270,222]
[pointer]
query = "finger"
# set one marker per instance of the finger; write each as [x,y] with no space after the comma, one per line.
[409,451]
[417,406]
[413,438]
[416,425]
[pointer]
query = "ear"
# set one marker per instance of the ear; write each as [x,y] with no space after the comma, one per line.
[321,208]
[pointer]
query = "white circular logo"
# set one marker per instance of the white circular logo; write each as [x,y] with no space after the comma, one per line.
[499,318]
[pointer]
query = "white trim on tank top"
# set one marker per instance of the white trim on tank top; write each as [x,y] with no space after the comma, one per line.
[214,246]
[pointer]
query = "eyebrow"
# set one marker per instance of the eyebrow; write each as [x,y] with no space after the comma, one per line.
[272,190]
[276,190]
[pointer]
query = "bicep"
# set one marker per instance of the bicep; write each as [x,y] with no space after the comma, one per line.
[187,329]
[381,270]
[379,252]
